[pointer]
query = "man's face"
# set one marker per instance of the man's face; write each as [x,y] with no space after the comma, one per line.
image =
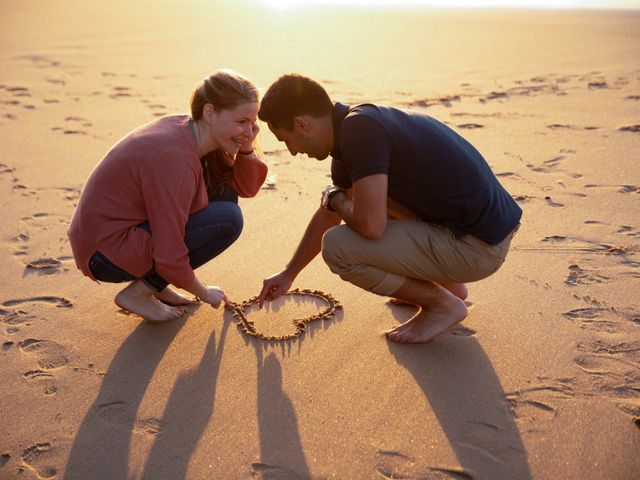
[304,138]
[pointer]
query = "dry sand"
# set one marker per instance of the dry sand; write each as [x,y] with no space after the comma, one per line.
[542,381]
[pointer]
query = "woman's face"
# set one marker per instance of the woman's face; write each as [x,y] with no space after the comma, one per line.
[231,129]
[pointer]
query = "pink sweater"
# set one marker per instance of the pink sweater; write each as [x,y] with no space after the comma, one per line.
[153,174]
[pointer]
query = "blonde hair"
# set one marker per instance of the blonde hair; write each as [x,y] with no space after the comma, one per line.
[224,90]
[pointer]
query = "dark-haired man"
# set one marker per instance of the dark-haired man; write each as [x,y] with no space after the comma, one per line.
[423,212]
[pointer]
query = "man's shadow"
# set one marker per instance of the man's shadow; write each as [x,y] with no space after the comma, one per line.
[281,452]
[465,393]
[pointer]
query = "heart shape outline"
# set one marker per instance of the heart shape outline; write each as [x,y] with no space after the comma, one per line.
[248,327]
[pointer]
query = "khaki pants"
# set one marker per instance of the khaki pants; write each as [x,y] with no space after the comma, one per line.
[410,248]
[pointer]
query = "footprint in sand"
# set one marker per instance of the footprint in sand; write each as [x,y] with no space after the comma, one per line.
[534,408]
[630,128]
[598,85]
[41,61]
[45,266]
[44,220]
[628,230]
[611,374]
[264,471]
[553,203]
[49,355]
[37,375]
[560,126]
[391,465]
[429,102]
[582,276]
[120,92]
[631,408]
[628,350]
[14,319]
[620,188]
[58,302]
[38,458]
[158,109]
[120,413]
[600,319]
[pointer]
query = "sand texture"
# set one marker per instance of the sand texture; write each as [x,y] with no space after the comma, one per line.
[541,381]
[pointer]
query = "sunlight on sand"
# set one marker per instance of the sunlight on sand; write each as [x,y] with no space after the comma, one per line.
[560,4]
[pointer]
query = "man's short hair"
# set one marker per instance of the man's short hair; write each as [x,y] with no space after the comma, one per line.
[293,95]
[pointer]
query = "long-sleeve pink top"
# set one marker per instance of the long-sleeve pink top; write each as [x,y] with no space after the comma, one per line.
[152,175]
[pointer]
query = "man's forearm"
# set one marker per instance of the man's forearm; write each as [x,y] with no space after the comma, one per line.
[311,242]
[342,204]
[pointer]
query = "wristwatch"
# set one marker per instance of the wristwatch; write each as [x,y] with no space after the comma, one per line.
[328,194]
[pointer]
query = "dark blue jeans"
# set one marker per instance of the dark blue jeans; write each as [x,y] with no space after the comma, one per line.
[208,233]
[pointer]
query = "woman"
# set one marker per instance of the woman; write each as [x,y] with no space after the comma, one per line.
[165,199]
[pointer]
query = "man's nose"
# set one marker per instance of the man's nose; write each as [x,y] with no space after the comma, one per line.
[292,151]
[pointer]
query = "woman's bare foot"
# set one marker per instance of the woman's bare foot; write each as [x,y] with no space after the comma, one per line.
[140,299]
[171,297]
[430,321]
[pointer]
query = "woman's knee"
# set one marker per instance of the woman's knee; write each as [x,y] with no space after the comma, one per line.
[228,214]
[236,219]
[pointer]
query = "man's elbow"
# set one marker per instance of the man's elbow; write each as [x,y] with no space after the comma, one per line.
[373,231]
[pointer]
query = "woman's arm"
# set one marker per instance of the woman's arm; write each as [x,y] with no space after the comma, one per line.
[249,173]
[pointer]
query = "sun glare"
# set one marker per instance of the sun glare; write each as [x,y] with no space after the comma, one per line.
[462,3]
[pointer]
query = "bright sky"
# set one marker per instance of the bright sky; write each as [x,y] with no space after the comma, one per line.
[612,4]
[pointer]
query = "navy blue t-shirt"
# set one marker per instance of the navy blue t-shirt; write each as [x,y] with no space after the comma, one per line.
[431,169]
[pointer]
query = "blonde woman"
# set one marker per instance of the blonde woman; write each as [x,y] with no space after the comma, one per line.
[164,200]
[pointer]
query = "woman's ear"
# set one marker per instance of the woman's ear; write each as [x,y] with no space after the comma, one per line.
[208,112]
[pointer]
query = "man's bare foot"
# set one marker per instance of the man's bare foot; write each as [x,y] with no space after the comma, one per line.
[171,297]
[460,290]
[430,321]
[140,299]
[401,303]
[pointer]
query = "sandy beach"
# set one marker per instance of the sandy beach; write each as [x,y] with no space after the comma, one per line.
[541,381]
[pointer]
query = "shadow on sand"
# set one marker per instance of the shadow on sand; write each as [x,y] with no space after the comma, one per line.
[101,447]
[281,453]
[465,394]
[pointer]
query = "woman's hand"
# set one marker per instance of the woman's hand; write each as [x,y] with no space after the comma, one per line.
[214,296]
[248,145]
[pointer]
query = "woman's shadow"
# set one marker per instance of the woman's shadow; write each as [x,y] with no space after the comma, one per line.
[281,451]
[101,447]
[465,393]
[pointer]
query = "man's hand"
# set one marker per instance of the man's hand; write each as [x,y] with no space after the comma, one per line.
[274,286]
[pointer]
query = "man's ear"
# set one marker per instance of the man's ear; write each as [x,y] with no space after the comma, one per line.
[301,124]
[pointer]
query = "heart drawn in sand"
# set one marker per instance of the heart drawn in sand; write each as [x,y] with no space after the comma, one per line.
[298,307]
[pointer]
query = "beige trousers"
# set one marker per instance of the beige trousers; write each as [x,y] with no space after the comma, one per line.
[410,248]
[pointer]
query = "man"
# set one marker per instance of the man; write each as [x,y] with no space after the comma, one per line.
[423,212]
